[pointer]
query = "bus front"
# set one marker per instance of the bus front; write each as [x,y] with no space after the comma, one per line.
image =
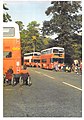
[58,55]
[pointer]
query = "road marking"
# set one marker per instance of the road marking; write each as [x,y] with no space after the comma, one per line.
[48,76]
[38,72]
[62,82]
[72,86]
[45,75]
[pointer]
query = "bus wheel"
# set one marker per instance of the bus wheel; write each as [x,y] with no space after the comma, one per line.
[21,81]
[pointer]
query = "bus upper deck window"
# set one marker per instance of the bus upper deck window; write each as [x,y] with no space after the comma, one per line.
[55,50]
[7,54]
[61,51]
[8,32]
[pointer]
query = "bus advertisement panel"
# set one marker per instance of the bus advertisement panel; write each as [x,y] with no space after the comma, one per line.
[50,56]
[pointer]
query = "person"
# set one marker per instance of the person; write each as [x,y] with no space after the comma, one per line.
[73,67]
[24,67]
[10,70]
[81,67]
[59,67]
[56,66]
[68,68]
[9,74]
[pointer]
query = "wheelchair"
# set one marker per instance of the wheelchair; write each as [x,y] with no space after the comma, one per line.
[9,79]
[25,78]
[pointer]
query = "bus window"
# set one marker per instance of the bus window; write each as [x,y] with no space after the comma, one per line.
[36,61]
[55,50]
[7,54]
[48,51]
[44,60]
[61,51]
[44,52]
[32,60]
[26,60]
[8,32]
[60,60]
[52,60]
[36,54]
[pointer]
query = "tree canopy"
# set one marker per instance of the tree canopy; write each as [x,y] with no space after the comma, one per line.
[31,39]
[66,23]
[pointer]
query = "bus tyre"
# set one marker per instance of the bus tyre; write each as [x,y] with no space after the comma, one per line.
[21,81]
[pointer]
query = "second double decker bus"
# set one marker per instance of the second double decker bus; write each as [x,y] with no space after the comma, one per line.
[50,56]
[32,59]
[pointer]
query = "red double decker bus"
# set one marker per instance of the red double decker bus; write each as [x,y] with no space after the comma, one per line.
[11,48]
[50,56]
[32,59]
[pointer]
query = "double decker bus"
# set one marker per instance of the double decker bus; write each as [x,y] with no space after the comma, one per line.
[32,59]
[50,56]
[11,48]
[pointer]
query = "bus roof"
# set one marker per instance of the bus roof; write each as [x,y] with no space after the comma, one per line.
[15,25]
[53,48]
[32,53]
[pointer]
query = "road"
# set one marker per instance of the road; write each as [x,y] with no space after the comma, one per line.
[52,94]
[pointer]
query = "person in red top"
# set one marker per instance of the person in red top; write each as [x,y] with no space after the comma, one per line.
[9,74]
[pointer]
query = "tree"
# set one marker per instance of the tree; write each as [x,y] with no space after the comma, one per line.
[66,22]
[31,39]
[34,32]
[6,16]
[20,23]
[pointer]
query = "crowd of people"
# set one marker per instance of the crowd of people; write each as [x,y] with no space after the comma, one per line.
[75,67]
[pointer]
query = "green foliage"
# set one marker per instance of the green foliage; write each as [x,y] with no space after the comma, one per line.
[66,22]
[20,23]
[6,16]
[28,43]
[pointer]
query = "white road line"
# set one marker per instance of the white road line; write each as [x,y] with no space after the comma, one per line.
[62,82]
[38,72]
[48,76]
[45,75]
[72,86]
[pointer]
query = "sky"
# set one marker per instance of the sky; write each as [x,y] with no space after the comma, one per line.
[27,11]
